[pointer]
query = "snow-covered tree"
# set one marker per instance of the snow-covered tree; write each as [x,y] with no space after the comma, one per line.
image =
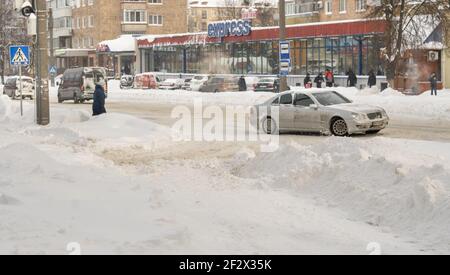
[407,21]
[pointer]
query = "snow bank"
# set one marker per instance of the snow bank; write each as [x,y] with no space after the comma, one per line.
[399,106]
[413,199]
[184,97]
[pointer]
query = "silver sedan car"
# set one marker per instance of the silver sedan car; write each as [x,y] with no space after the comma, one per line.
[319,110]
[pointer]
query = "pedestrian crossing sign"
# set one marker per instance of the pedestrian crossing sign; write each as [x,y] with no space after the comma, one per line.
[19,55]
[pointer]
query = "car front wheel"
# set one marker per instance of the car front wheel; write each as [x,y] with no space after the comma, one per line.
[339,127]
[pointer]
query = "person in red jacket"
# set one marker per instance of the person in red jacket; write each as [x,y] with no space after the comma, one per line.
[329,78]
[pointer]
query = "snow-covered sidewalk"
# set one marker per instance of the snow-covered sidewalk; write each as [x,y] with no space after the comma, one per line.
[119,184]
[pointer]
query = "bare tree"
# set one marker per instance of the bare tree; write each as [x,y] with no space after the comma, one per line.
[230,10]
[406,23]
[266,14]
[12,31]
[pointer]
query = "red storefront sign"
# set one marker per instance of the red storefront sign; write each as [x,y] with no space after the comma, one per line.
[272,33]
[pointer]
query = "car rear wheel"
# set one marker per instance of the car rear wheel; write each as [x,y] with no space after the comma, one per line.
[269,126]
[339,127]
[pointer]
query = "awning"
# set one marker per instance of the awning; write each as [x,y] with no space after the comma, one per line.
[74,52]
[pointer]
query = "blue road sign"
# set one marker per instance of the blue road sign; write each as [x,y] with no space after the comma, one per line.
[19,55]
[53,70]
[285,58]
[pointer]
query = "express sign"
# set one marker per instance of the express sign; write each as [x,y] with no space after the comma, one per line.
[229,28]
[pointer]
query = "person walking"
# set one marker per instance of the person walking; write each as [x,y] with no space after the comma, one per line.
[352,79]
[433,84]
[98,107]
[242,84]
[319,80]
[372,79]
[307,82]
[329,78]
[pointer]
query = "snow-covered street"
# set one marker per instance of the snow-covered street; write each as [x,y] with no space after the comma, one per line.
[119,183]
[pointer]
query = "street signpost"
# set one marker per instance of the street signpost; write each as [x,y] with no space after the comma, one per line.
[53,70]
[20,56]
[285,58]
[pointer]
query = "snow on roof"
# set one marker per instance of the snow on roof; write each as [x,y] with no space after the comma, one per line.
[124,43]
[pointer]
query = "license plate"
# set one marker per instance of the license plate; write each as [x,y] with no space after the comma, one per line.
[376,124]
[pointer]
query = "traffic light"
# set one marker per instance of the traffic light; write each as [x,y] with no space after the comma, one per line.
[26,7]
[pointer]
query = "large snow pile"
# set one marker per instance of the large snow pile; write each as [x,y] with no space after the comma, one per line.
[406,192]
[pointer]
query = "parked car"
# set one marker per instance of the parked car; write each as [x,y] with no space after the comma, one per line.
[220,84]
[321,111]
[187,84]
[126,81]
[146,81]
[270,84]
[171,84]
[197,82]
[12,86]
[78,84]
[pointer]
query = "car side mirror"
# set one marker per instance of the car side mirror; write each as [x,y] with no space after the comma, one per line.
[314,106]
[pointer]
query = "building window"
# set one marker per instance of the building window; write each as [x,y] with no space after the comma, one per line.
[361,5]
[134,16]
[155,20]
[205,14]
[342,6]
[329,7]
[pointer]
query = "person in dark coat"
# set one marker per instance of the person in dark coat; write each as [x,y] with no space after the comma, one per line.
[307,82]
[372,79]
[433,83]
[242,84]
[98,107]
[319,80]
[351,80]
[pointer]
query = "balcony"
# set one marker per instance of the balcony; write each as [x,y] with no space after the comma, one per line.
[134,5]
[298,12]
[134,28]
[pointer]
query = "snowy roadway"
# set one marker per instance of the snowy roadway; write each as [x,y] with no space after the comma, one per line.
[157,106]
[121,184]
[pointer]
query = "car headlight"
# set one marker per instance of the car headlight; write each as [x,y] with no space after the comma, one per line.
[359,117]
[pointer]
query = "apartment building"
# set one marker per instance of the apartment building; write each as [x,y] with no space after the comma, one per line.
[309,11]
[95,21]
[62,29]
[203,12]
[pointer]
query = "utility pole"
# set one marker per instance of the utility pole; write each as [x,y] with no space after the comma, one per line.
[52,54]
[282,11]
[42,92]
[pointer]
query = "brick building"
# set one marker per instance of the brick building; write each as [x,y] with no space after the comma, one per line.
[203,12]
[94,21]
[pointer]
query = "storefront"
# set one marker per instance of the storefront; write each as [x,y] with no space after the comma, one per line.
[70,58]
[338,46]
[117,56]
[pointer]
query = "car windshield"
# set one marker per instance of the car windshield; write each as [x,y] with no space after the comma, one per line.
[266,81]
[27,80]
[330,98]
